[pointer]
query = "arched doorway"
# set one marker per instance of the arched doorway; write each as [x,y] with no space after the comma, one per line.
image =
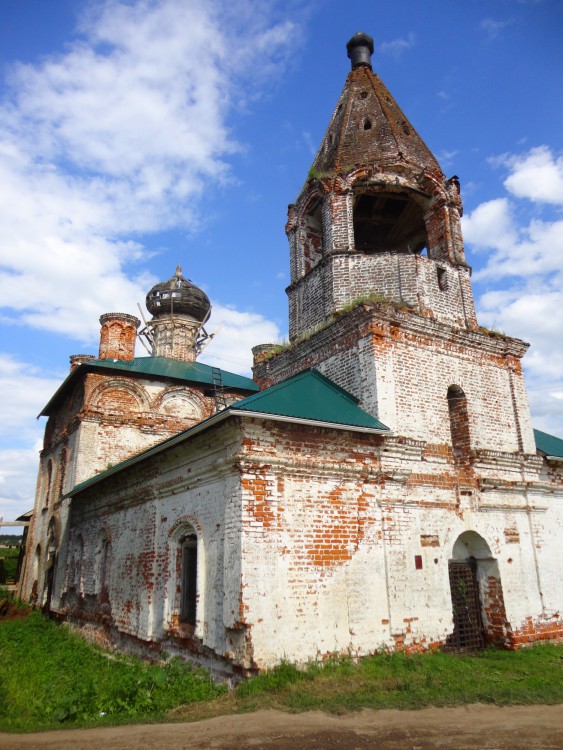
[50,563]
[477,599]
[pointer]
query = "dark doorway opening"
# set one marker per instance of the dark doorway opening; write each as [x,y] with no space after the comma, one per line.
[469,634]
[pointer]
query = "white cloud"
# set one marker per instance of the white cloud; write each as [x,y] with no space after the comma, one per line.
[23,393]
[18,474]
[397,47]
[490,225]
[523,274]
[240,331]
[446,158]
[537,175]
[116,137]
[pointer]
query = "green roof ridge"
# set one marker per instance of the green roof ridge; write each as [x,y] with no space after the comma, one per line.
[548,444]
[355,418]
[310,395]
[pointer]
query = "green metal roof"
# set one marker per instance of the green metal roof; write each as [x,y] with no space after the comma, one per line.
[548,444]
[157,367]
[310,396]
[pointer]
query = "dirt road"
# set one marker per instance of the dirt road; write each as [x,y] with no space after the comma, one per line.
[467,728]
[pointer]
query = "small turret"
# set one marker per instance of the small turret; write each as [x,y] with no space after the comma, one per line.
[118,335]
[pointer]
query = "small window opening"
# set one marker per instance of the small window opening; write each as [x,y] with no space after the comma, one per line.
[61,477]
[406,129]
[188,604]
[459,425]
[442,277]
[364,95]
[367,124]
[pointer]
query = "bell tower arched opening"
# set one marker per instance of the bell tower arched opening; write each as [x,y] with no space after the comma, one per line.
[386,222]
[313,239]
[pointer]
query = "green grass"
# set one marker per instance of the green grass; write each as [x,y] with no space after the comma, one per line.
[50,677]
[533,675]
[414,681]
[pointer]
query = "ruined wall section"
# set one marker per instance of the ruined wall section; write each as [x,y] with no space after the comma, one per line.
[123,416]
[311,542]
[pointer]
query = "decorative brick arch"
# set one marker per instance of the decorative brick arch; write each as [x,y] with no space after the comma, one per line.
[178,394]
[175,531]
[134,391]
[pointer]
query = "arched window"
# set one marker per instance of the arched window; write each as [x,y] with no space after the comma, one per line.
[185,592]
[77,578]
[35,575]
[388,223]
[459,425]
[103,567]
[61,476]
[48,482]
[313,235]
[188,583]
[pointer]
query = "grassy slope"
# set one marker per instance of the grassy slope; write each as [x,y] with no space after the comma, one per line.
[50,677]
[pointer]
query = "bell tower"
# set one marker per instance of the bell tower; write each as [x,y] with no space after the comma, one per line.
[380,299]
[376,217]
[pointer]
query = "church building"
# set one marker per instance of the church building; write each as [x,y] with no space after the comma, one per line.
[377,484]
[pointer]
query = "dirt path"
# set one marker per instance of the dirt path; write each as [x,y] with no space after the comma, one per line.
[467,728]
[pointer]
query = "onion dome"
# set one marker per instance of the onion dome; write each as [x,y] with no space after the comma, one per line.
[178,296]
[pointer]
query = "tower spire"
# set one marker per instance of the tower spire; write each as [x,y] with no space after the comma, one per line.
[377,215]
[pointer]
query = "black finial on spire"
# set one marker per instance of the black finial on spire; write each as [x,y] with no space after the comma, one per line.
[360,50]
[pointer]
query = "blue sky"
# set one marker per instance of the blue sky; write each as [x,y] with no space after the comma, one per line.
[138,135]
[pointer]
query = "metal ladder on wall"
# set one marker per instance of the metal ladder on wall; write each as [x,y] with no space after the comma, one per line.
[218,389]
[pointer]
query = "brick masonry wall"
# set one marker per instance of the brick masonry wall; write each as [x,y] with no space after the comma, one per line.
[311,542]
[432,289]
[143,511]
[104,420]
[401,365]
[346,546]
